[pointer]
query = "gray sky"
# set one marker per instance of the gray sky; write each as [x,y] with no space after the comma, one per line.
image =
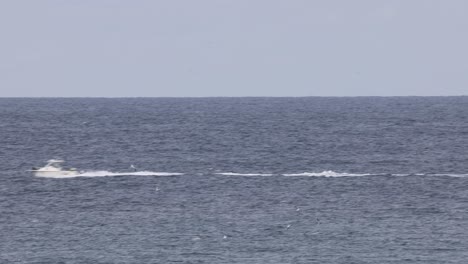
[188,48]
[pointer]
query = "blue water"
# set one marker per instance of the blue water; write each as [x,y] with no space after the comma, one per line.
[236,180]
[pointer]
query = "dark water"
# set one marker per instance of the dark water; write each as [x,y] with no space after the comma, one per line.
[370,180]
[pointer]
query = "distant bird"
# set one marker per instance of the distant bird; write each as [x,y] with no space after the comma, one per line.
[133,167]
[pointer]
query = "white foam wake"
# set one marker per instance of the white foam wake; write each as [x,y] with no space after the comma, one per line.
[109,173]
[450,175]
[408,174]
[341,174]
[327,174]
[243,174]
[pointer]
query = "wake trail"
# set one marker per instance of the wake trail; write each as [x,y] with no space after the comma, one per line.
[104,173]
[326,174]
[243,174]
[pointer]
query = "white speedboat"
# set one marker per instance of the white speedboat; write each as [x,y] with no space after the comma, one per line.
[54,168]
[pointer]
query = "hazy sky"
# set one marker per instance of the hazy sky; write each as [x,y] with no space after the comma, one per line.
[189,48]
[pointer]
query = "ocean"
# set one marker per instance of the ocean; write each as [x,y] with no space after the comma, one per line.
[235,180]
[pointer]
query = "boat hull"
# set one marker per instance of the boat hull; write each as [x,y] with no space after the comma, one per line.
[39,173]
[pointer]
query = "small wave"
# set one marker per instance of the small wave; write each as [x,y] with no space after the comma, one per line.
[327,174]
[109,173]
[243,174]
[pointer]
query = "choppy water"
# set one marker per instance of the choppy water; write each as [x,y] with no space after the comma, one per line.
[236,180]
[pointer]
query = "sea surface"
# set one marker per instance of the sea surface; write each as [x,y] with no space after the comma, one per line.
[235,180]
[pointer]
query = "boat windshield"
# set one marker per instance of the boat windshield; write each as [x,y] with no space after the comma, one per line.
[54,163]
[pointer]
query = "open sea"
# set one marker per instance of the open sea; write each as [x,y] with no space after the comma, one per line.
[235,180]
